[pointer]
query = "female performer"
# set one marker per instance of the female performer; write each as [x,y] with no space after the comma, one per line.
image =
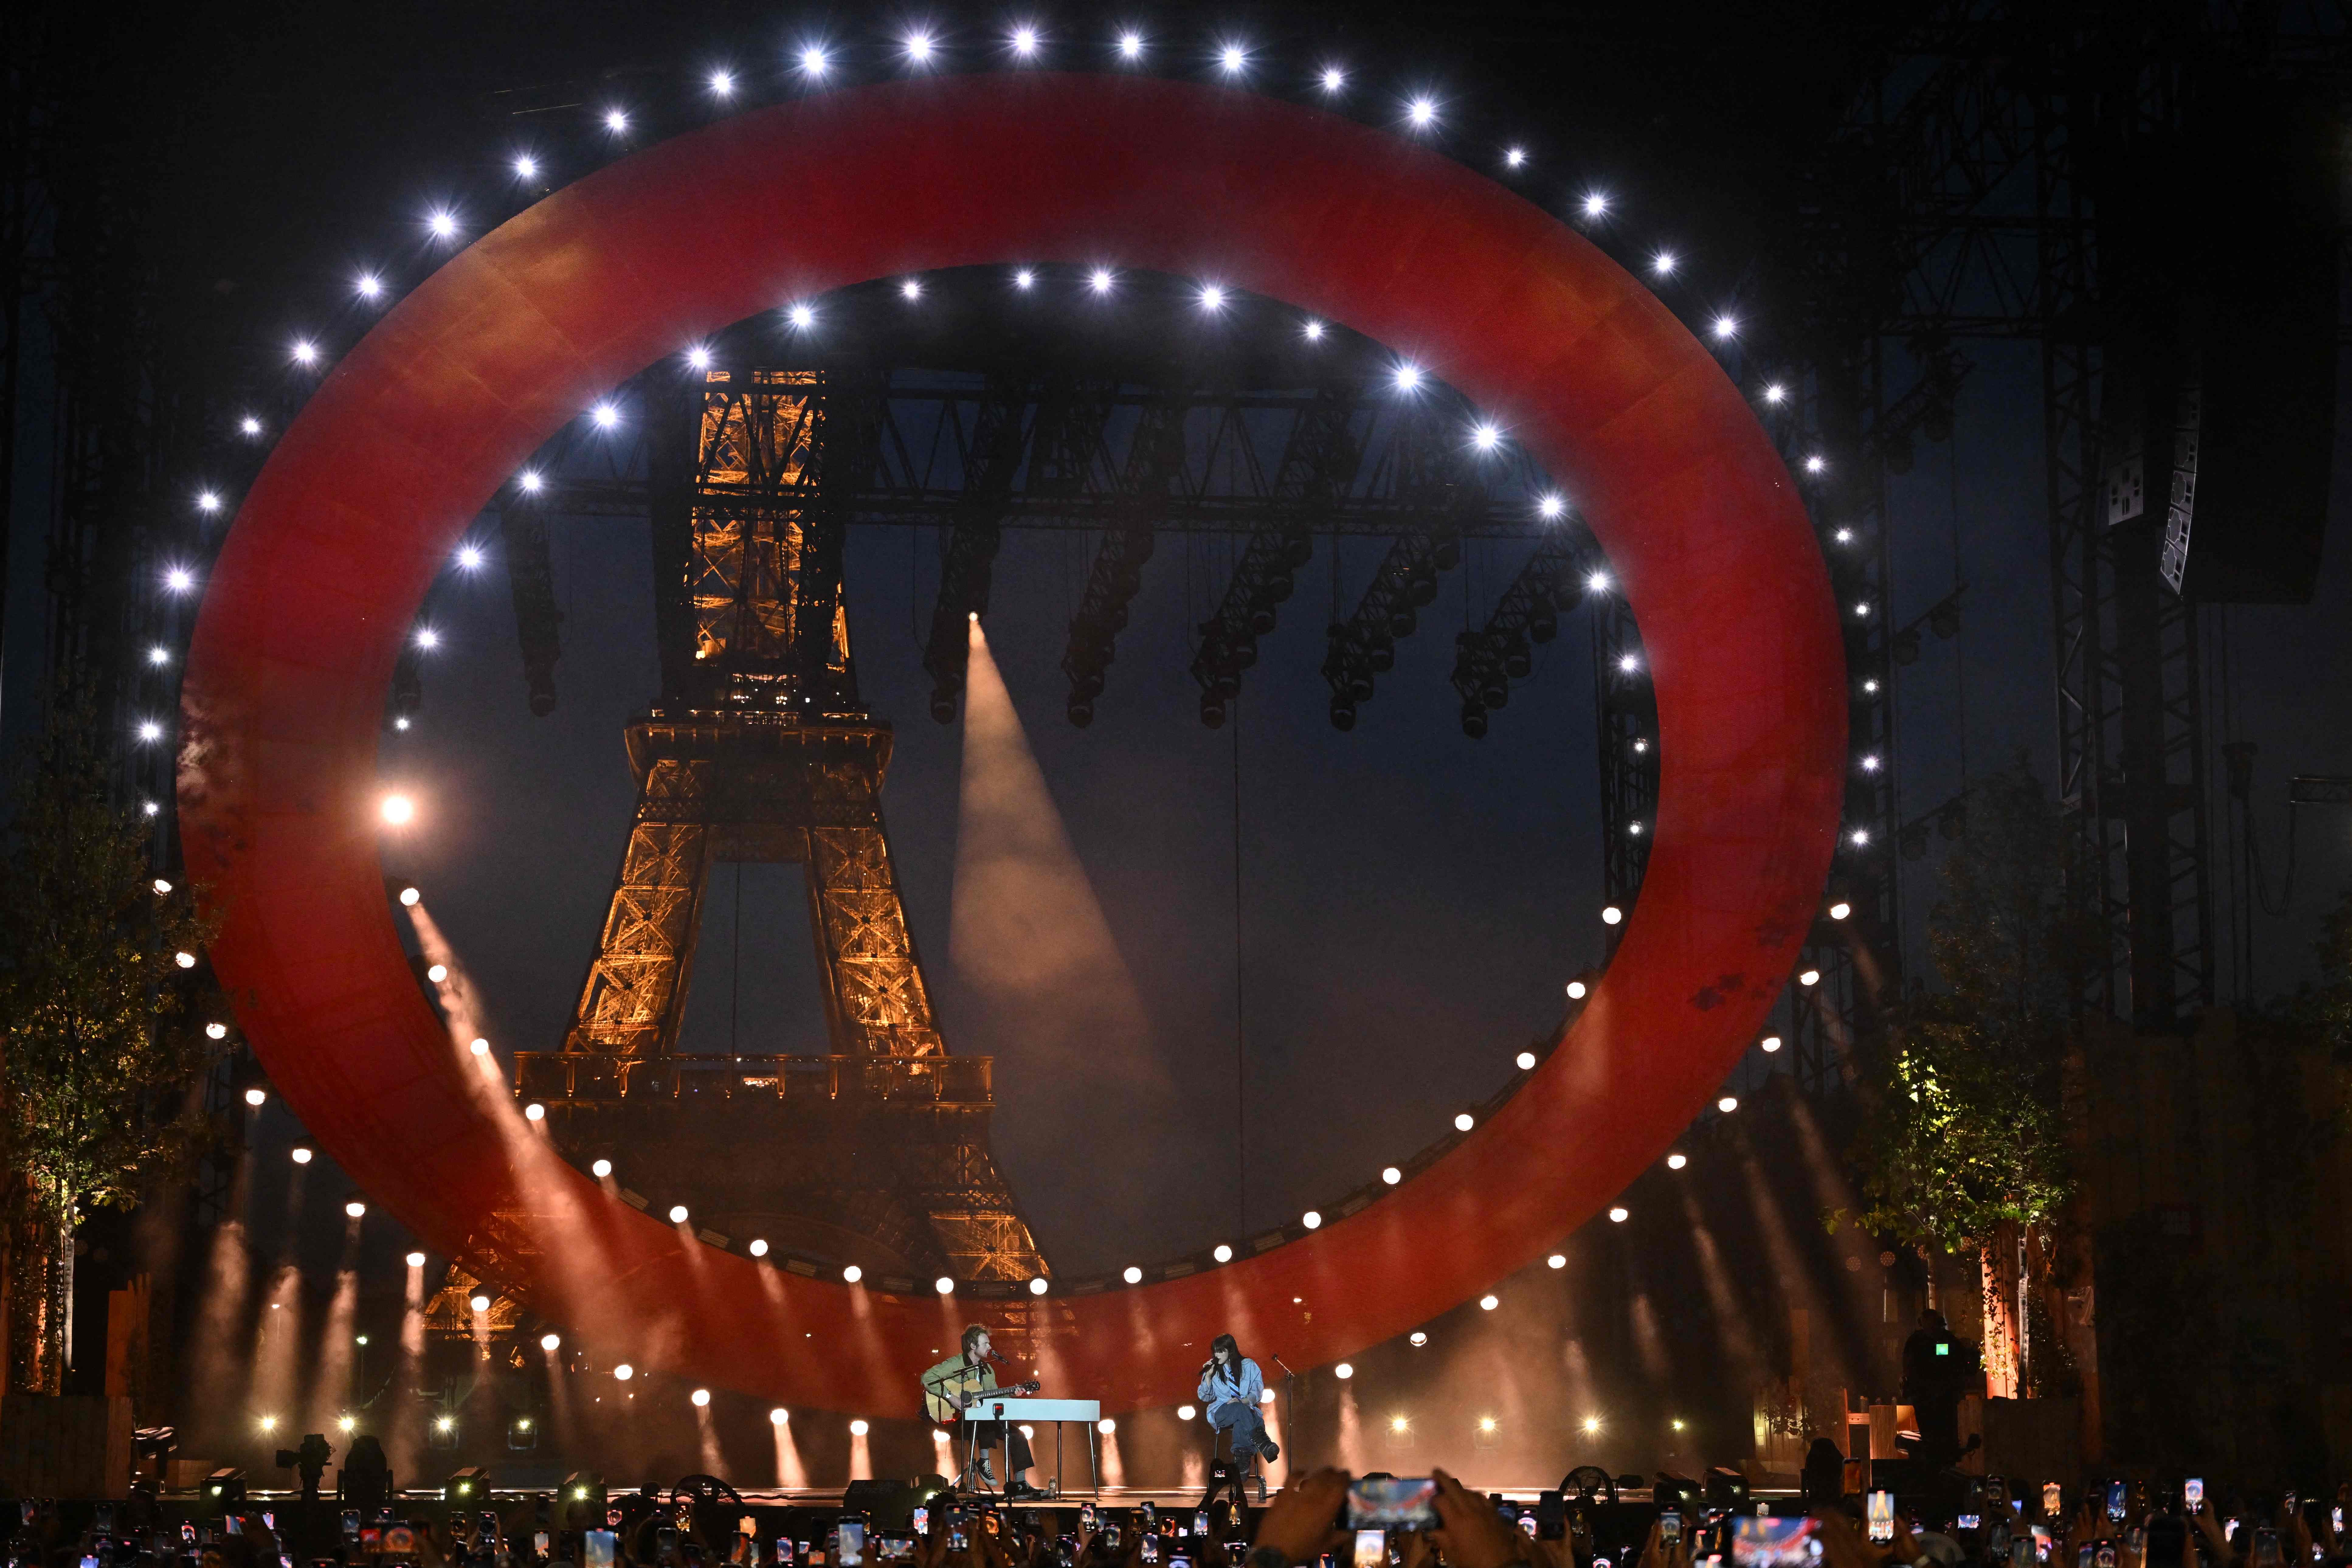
[1231,1386]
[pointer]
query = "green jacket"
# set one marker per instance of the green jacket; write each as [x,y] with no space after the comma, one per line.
[946,1384]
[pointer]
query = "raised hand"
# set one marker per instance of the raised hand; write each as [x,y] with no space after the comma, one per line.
[1842,1547]
[2217,1545]
[1472,1535]
[1297,1522]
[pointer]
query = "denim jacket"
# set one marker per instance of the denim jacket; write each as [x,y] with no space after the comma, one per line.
[1218,1387]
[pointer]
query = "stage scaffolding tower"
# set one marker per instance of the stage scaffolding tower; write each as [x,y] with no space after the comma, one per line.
[1963,199]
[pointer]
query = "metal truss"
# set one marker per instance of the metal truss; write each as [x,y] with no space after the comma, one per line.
[530,579]
[1320,460]
[2130,722]
[967,556]
[1956,203]
[1155,456]
[926,448]
[1487,661]
[1436,476]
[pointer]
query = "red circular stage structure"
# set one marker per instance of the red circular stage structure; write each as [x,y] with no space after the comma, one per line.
[413,433]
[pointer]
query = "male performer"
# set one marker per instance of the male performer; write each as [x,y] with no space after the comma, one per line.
[1230,1386]
[947,1387]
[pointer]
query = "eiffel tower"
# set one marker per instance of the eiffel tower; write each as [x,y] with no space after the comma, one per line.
[759,750]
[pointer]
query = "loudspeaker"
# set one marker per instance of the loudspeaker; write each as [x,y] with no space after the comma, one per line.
[2218,296]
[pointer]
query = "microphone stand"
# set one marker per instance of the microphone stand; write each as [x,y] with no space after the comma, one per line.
[1289,1396]
[972,1439]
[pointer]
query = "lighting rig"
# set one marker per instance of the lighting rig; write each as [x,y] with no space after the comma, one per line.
[1320,463]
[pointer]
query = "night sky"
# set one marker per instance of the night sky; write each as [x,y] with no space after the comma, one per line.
[1409,900]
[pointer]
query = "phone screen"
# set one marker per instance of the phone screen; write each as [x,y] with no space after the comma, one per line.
[2021,1552]
[539,1541]
[1882,1516]
[596,1548]
[921,1520]
[1371,1549]
[1388,1501]
[1970,1521]
[2266,1548]
[1775,1542]
[2116,1494]
[1669,1527]
[784,1550]
[1110,1537]
[853,1543]
[2053,1499]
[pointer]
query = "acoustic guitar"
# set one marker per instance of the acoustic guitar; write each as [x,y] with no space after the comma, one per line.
[943,1407]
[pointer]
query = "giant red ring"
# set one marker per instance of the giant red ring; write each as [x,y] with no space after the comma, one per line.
[414,430]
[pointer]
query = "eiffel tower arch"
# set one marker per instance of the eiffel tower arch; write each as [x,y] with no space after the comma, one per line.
[760,752]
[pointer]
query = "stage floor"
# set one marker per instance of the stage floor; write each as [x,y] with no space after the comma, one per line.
[822,1498]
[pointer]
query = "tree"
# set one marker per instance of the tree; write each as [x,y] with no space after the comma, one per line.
[1965,1133]
[94,1071]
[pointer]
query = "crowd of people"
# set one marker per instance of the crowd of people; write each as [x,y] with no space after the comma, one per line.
[1973,1524]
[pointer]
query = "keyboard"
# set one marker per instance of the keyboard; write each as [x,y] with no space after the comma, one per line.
[986,1409]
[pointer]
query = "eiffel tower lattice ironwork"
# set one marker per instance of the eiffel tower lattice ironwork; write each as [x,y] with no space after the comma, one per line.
[760,752]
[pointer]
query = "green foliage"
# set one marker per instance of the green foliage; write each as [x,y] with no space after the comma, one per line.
[95,1067]
[1967,1136]
[1964,1130]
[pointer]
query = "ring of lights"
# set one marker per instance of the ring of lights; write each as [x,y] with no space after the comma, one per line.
[413,433]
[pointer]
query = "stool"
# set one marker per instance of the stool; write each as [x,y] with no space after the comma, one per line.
[1226,1474]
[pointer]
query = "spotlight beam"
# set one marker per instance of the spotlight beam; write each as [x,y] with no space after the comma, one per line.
[1028,934]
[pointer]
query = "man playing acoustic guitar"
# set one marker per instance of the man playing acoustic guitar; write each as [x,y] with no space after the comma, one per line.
[950,1390]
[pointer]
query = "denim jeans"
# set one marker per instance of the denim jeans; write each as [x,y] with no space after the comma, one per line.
[988,1435]
[1247,1427]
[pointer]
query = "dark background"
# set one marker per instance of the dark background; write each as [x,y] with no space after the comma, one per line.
[1409,900]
